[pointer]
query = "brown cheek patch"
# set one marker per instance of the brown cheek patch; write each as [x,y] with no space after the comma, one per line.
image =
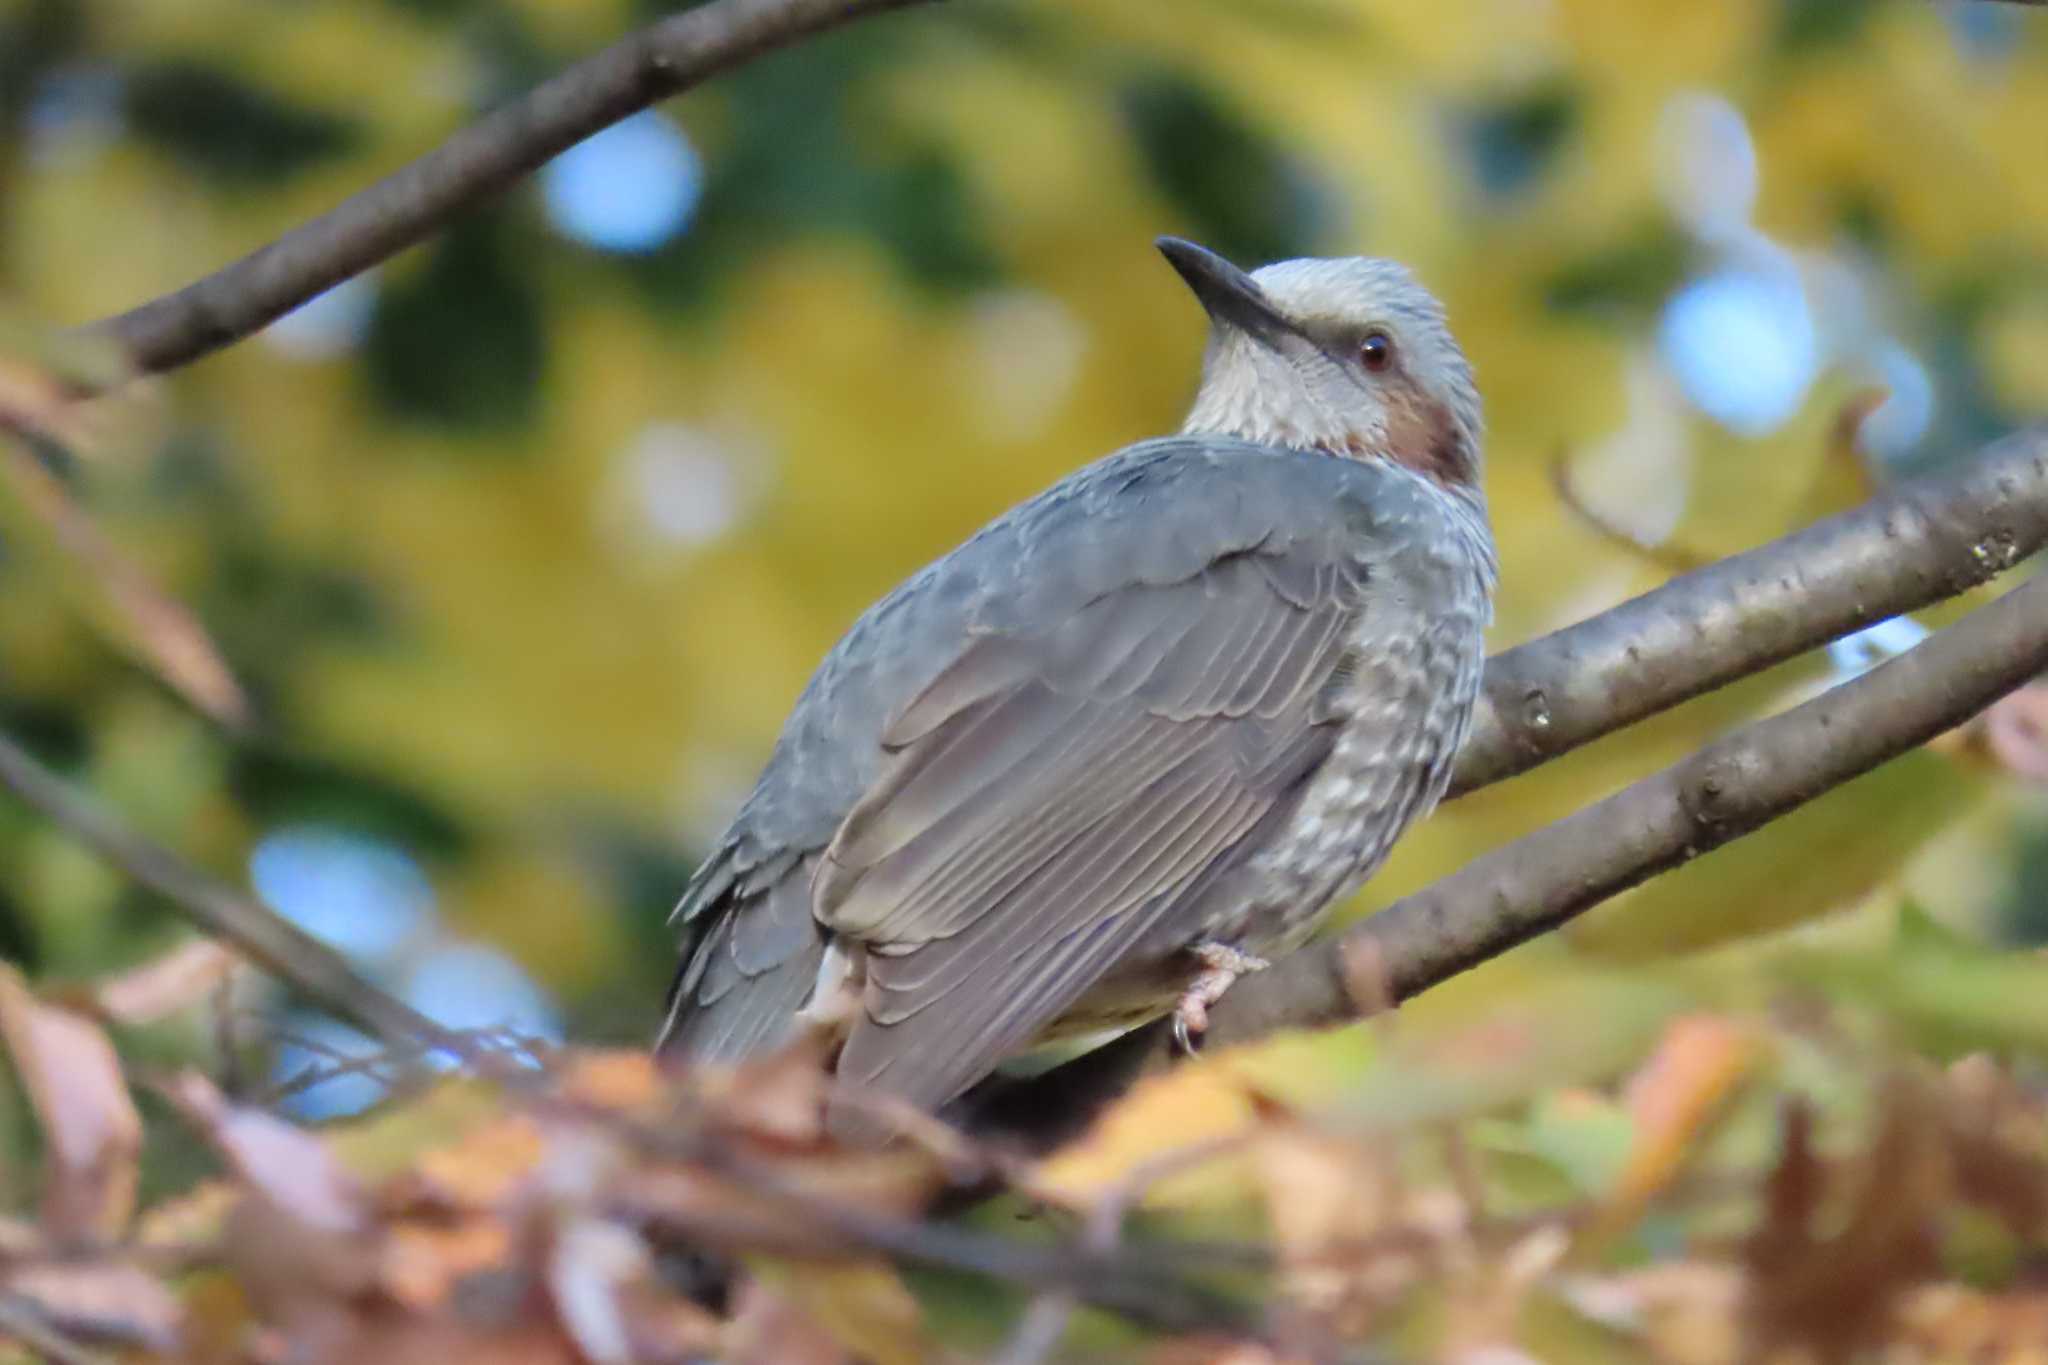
[1422,436]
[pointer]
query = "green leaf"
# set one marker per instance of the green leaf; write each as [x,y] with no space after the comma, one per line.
[461,343]
[1511,142]
[220,126]
[1240,191]
[805,154]
[1952,994]
[1578,1029]
[277,786]
[1625,281]
[1815,25]
[34,37]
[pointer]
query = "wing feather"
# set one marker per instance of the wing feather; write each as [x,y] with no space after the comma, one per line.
[1015,850]
[751,972]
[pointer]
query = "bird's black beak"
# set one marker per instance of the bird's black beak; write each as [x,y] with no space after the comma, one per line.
[1228,294]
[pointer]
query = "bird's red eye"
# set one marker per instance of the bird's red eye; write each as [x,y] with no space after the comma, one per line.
[1376,352]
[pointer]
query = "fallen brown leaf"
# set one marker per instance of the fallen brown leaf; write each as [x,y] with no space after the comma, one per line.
[159,628]
[166,985]
[193,1218]
[1829,1284]
[287,1166]
[766,1329]
[780,1097]
[1336,1208]
[864,1307]
[104,1301]
[92,1133]
[483,1170]
[588,1269]
[1672,1099]
[618,1081]
[300,1238]
[2016,732]
[420,1263]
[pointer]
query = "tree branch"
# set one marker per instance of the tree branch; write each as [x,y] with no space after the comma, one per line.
[1920,542]
[663,59]
[263,937]
[1731,787]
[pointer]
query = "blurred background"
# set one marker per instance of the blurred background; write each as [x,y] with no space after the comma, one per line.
[516,550]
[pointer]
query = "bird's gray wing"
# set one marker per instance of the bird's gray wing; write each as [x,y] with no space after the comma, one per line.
[755,959]
[1115,563]
[1057,792]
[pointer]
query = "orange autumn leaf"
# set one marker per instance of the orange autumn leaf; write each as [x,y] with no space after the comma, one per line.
[1672,1100]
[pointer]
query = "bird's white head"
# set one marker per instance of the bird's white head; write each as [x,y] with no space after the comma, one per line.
[1349,357]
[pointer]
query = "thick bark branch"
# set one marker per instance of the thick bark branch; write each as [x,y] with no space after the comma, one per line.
[1726,790]
[266,939]
[1918,543]
[663,59]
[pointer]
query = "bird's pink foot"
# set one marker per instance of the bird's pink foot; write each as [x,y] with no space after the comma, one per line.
[1222,965]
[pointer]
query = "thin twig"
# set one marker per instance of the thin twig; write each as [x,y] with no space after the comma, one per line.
[665,58]
[265,938]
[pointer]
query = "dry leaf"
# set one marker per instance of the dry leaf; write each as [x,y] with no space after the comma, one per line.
[1183,1107]
[421,1262]
[288,1167]
[1672,1099]
[300,1238]
[2016,732]
[1829,1284]
[484,1170]
[40,373]
[1688,1312]
[1219,1351]
[617,1081]
[1346,1243]
[1951,1322]
[864,1307]
[92,1134]
[780,1097]
[161,629]
[668,1328]
[766,1329]
[1997,1137]
[163,986]
[588,1268]
[109,1301]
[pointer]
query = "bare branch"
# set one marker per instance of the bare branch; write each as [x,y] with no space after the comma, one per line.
[1918,543]
[1726,790]
[663,59]
[263,937]
[1922,541]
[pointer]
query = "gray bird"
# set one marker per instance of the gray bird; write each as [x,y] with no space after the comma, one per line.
[1138,733]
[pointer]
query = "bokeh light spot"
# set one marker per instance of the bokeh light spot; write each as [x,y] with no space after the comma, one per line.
[329,324]
[470,986]
[628,188]
[1742,343]
[361,895]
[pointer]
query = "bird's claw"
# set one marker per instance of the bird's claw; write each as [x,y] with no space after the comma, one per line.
[1221,966]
